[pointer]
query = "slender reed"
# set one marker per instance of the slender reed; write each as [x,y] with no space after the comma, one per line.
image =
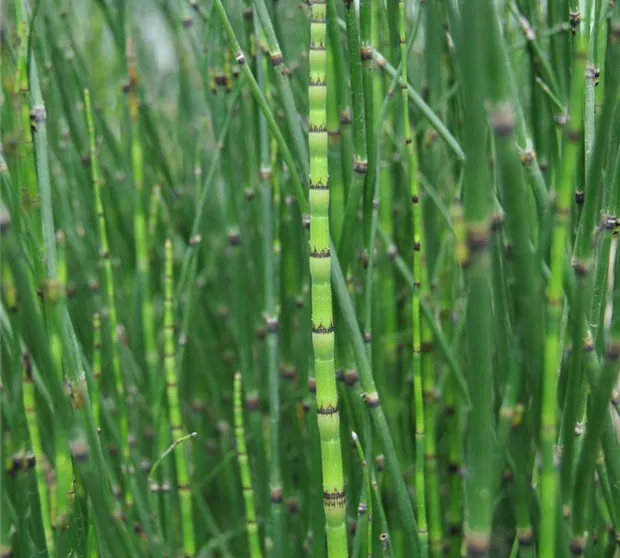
[322,322]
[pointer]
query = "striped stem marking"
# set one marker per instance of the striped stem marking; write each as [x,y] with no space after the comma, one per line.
[328,417]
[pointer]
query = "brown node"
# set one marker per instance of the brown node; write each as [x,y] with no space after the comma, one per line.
[292,505]
[371,399]
[79,451]
[252,402]
[312,385]
[366,53]
[477,545]
[579,197]
[578,545]
[478,238]
[503,121]
[276,494]
[351,377]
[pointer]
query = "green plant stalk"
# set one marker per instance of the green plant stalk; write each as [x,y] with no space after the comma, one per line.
[601,383]
[448,316]
[53,291]
[525,533]
[140,230]
[364,510]
[336,162]
[418,395]
[104,253]
[506,120]
[555,298]
[328,416]
[270,268]
[366,17]
[346,246]
[477,212]
[598,412]
[335,52]
[27,178]
[608,135]
[246,479]
[174,410]
[37,449]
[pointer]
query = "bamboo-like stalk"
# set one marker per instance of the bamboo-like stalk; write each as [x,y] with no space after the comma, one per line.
[246,478]
[271,318]
[328,416]
[174,410]
[477,212]
[140,223]
[555,298]
[420,486]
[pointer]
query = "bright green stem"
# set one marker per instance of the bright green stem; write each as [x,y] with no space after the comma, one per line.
[420,488]
[555,299]
[174,407]
[37,449]
[244,469]
[328,415]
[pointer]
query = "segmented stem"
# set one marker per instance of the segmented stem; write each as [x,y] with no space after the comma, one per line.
[174,409]
[104,252]
[420,489]
[244,470]
[322,322]
[555,299]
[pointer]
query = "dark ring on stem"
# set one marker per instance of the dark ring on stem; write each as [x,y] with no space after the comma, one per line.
[327,411]
[322,330]
[334,499]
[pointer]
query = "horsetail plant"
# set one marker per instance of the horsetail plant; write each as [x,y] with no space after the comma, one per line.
[246,479]
[322,322]
[397,175]
[174,412]
[420,486]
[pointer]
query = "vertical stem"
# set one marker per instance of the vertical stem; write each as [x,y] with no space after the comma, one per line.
[561,222]
[246,478]
[174,409]
[477,212]
[328,416]
[420,488]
